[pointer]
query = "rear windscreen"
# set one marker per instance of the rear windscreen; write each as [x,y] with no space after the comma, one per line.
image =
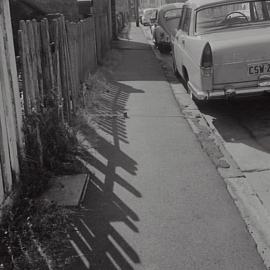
[232,15]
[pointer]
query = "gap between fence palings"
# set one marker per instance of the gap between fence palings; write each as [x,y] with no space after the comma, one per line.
[55,34]
[31,80]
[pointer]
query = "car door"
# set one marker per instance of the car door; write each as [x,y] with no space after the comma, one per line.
[181,38]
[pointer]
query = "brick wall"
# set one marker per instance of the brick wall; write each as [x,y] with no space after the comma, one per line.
[152,3]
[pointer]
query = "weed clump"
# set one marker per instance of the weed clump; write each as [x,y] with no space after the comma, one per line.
[35,238]
[34,233]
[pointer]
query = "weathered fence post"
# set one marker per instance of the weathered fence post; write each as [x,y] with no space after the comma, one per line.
[11,136]
[11,65]
[8,97]
[56,67]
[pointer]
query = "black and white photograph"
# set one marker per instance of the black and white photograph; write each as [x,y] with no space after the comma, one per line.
[134,134]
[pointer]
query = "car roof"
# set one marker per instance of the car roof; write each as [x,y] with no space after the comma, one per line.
[163,9]
[171,6]
[148,9]
[202,3]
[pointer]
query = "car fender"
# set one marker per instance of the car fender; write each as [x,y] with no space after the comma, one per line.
[194,47]
[192,55]
[158,31]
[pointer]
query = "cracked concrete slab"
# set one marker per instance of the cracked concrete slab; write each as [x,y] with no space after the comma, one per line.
[67,190]
[249,155]
[258,126]
[254,213]
[264,142]
[227,128]
[260,181]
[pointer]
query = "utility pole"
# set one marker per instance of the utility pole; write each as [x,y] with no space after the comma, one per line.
[113,10]
[137,13]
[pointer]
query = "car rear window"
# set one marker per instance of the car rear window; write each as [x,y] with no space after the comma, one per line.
[232,15]
[173,13]
[149,13]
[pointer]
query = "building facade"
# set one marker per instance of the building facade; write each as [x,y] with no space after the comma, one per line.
[156,3]
[151,3]
[121,6]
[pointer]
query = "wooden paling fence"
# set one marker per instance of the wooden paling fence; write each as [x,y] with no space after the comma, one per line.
[57,56]
[11,136]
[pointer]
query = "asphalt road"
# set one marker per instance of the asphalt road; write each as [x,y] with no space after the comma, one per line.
[156,201]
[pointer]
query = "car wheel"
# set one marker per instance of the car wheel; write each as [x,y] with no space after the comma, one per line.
[184,79]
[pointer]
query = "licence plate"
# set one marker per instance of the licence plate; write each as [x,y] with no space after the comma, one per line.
[260,68]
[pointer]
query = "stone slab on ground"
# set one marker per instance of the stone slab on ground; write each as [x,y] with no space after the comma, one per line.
[254,213]
[249,155]
[228,127]
[264,142]
[67,190]
[260,181]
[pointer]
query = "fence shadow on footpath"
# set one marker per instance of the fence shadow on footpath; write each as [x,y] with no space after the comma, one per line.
[98,244]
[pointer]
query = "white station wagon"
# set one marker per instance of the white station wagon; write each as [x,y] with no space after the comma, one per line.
[222,48]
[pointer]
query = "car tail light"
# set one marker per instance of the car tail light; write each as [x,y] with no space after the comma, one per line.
[207,61]
[207,58]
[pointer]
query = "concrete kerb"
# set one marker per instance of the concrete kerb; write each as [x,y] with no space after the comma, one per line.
[253,212]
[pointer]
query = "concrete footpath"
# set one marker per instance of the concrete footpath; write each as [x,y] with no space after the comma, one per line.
[155,200]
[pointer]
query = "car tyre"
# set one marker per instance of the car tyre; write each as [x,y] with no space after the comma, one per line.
[161,48]
[185,81]
[175,70]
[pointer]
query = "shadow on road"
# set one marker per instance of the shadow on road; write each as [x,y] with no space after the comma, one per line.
[241,120]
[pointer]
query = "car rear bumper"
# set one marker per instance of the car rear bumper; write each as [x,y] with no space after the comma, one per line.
[164,43]
[227,93]
[145,23]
